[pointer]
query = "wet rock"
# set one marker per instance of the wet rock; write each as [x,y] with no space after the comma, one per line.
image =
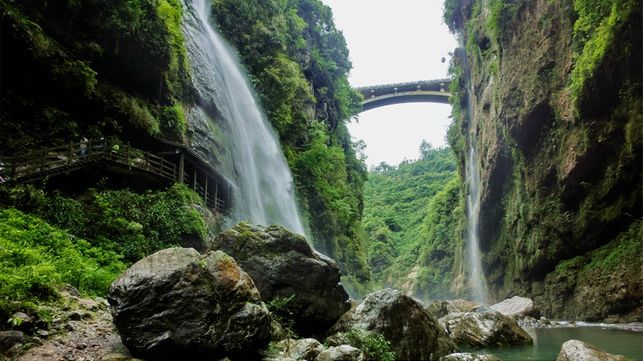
[439,309]
[413,333]
[517,306]
[178,304]
[70,290]
[22,322]
[75,316]
[303,349]
[463,356]
[10,338]
[574,350]
[283,265]
[484,327]
[341,353]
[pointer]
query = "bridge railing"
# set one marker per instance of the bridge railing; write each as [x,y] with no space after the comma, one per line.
[406,84]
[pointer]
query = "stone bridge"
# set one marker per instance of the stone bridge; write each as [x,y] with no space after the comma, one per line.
[423,91]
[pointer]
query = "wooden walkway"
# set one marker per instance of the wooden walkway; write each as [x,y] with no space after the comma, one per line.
[198,175]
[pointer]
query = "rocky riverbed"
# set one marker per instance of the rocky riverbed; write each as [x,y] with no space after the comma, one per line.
[264,293]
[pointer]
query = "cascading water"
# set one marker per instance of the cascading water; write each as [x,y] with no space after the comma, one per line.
[477,281]
[264,192]
[476,278]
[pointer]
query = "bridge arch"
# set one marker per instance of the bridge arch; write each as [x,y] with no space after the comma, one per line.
[423,91]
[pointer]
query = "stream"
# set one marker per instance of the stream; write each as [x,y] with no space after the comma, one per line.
[547,343]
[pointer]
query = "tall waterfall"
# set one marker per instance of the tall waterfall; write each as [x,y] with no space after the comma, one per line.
[477,280]
[264,192]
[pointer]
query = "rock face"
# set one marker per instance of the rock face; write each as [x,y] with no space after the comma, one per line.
[560,175]
[469,357]
[517,307]
[283,265]
[178,304]
[413,333]
[341,353]
[439,309]
[484,327]
[303,349]
[574,350]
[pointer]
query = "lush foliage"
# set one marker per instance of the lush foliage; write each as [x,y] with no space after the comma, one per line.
[374,345]
[298,62]
[36,258]
[413,215]
[80,68]
[595,31]
[129,224]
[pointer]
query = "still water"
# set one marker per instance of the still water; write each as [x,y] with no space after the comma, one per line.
[547,343]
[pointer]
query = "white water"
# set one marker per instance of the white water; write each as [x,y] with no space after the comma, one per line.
[477,281]
[264,192]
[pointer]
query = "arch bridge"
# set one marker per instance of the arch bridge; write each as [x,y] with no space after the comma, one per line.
[423,91]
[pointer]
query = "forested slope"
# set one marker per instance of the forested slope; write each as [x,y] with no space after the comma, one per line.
[414,217]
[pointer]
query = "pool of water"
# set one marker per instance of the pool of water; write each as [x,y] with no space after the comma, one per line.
[547,343]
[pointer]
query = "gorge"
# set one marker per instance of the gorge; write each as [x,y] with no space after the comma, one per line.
[538,193]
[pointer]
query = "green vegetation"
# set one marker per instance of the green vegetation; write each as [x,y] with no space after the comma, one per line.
[298,62]
[414,215]
[374,345]
[595,30]
[129,224]
[80,68]
[36,258]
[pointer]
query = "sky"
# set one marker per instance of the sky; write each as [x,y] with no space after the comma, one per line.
[391,42]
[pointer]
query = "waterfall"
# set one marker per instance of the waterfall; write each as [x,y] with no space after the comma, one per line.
[477,280]
[264,191]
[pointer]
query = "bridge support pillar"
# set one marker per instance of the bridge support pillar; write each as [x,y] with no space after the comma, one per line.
[181,168]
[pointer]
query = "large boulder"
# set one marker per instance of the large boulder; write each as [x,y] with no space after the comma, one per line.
[517,307]
[341,353]
[465,356]
[179,304]
[484,327]
[439,309]
[413,333]
[574,350]
[285,267]
[305,349]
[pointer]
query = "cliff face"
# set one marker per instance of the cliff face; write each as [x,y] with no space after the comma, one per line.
[556,105]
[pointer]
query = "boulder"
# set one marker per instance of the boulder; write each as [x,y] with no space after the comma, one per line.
[283,266]
[341,353]
[8,339]
[413,333]
[304,349]
[574,350]
[439,309]
[484,327]
[178,304]
[517,307]
[463,356]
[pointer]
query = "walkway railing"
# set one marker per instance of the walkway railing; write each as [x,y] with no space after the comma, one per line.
[77,155]
[55,160]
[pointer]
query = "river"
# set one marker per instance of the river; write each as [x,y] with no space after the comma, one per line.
[547,343]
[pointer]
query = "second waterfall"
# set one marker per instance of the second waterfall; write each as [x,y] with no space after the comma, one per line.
[255,162]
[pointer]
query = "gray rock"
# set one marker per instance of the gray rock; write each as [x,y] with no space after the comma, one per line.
[10,338]
[574,350]
[439,309]
[283,265]
[304,349]
[413,333]
[484,327]
[341,353]
[517,306]
[178,304]
[22,322]
[463,356]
